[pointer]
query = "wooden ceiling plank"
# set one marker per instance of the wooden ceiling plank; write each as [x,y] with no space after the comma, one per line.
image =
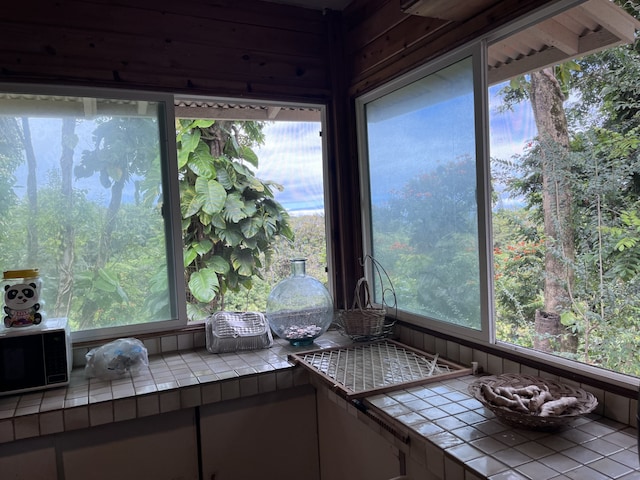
[612,18]
[552,33]
[521,47]
[598,41]
[218,113]
[504,50]
[551,56]
[499,57]
[529,38]
[591,43]
[571,23]
[583,17]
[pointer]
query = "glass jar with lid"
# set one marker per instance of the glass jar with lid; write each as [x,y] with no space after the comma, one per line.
[21,304]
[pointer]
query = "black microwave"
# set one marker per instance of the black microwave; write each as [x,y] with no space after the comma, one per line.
[35,357]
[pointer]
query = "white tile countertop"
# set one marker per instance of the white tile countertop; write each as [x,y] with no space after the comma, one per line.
[444,421]
[459,431]
[174,380]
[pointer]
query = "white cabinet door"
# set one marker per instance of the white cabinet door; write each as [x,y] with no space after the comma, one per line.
[271,436]
[33,459]
[350,449]
[161,447]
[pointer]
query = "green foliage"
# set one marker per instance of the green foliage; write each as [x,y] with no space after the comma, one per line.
[10,157]
[518,256]
[426,238]
[231,219]
[604,181]
[309,243]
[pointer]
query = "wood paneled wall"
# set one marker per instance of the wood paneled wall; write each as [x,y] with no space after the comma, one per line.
[382,42]
[219,47]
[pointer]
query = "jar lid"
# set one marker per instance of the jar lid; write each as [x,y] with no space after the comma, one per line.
[27,273]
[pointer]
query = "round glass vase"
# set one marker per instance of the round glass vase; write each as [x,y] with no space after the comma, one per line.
[299,308]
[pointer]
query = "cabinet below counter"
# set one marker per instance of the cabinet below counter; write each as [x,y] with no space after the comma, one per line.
[241,439]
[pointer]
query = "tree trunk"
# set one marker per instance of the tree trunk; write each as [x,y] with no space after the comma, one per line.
[32,194]
[547,103]
[67,254]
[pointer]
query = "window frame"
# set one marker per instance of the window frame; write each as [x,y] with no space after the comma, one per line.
[171,196]
[171,192]
[487,337]
[476,52]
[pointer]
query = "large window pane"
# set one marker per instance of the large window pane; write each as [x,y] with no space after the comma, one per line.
[82,200]
[565,163]
[422,176]
[252,198]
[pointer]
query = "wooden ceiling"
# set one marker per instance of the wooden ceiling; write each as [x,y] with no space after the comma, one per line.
[587,28]
[592,26]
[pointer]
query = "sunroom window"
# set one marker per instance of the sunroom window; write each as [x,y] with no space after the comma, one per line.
[565,159]
[143,212]
[560,208]
[422,193]
[252,198]
[86,199]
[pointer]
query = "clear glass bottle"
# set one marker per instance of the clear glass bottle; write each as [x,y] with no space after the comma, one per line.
[21,304]
[299,308]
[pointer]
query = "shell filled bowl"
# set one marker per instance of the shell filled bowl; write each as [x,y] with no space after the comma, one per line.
[533,403]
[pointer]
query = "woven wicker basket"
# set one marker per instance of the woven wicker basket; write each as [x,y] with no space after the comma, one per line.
[363,320]
[586,401]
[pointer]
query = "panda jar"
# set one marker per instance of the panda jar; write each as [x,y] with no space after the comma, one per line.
[22,305]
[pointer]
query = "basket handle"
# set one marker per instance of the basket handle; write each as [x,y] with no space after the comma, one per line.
[356,295]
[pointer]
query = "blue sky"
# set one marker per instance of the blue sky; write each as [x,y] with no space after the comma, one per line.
[292,154]
[292,157]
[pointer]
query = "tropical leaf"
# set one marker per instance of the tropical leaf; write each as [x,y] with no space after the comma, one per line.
[190,204]
[205,220]
[204,285]
[201,123]
[233,208]
[246,153]
[189,141]
[218,264]
[211,195]
[242,261]
[250,226]
[242,170]
[226,180]
[201,162]
[231,237]
[218,221]
[189,256]
[105,282]
[203,247]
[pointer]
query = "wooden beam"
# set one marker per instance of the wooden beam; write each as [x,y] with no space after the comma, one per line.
[218,113]
[552,56]
[445,9]
[90,107]
[272,112]
[612,18]
[554,34]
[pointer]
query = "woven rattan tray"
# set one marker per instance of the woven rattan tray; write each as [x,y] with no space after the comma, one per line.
[586,401]
[375,367]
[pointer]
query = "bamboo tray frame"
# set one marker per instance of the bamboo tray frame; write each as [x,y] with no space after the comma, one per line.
[364,369]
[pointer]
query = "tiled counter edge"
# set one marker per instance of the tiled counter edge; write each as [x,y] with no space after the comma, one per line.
[446,434]
[185,376]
